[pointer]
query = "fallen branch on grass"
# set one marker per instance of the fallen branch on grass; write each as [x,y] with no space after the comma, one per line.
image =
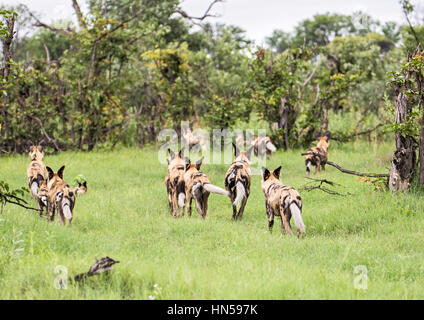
[12,199]
[100,266]
[321,187]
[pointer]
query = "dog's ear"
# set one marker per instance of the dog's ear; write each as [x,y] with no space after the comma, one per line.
[277,172]
[265,173]
[236,150]
[83,184]
[50,172]
[181,153]
[187,163]
[30,143]
[42,143]
[60,172]
[249,152]
[171,153]
[328,135]
[199,163]
[317,135]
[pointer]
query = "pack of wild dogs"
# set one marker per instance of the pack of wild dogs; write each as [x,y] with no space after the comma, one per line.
[49,188]
[185,182]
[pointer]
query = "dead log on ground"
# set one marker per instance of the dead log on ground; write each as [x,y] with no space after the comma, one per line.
[100,266]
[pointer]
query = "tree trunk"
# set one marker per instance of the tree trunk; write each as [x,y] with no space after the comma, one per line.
[421,152]
[403,166]
[7,44]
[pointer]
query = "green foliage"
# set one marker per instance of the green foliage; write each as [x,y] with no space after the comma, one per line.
[408,81]
[9,195]
[133,225]
[4,15]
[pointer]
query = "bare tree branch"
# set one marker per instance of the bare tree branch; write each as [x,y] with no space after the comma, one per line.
[49,139]
[38,23]
[204,16]
[102,36]
[79,14]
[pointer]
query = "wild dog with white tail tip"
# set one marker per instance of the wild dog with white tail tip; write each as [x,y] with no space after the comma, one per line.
[263,145]
[174,181]
[317,156]
[199,187]
[61,196]
[281,201]
[237,180]
[36,171]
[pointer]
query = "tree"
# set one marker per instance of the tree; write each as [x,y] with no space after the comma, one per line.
[278,84]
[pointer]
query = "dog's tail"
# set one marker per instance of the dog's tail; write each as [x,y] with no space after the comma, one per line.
[308,163]
[214,189]
[297,217]
[241,193]
[35,184]
[271,147]
[181,193]
[34,188]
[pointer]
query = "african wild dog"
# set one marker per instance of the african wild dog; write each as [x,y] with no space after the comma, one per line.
[317,156]
[282,201]
[192,140]
[198,186]
[174,181]
[237,180]
[36,171]
[61,196]
[263,145]
[43,197]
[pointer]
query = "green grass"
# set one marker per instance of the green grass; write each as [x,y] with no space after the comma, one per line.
[125,215]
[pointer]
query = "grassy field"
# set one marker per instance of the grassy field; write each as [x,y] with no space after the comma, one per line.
[125,216]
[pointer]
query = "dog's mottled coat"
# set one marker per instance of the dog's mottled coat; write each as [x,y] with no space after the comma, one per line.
[199,187]
[174,181]
[237,180]
[36,172]
[317,156]
[281,201]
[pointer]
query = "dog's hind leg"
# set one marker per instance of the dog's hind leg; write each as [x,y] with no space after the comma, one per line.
[199,206]
[50,211]
[232,204]
[241,210]
[40,208]
[189,202]
[205,203]
[61,216]
[285,224]
[270,214]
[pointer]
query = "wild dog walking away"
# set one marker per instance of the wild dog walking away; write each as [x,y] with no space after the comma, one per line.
[317,156]
[198,186]
[36,171]
[263,145]
[281,201]
[237,181]
[61,197]
[174,181]
[43,198]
